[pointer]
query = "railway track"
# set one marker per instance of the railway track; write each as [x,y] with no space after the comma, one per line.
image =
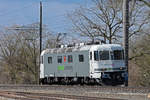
[46,96]
[59,92]
[78,87]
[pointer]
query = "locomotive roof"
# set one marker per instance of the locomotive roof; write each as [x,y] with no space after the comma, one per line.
[83,48]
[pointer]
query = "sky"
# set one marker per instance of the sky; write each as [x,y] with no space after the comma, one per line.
[24,12]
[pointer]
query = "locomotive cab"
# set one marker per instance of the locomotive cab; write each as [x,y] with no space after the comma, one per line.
[108,63]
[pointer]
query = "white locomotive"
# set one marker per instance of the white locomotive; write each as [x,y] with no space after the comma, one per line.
[84,64]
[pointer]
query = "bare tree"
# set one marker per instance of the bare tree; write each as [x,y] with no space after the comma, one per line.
[18,56]
[19,52]
[140,52]
[103,21]
[55,40]
[146,2]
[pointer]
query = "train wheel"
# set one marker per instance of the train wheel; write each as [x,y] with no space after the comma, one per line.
[41,81]
[50,81]
[82,81]
[87,81]
[45,81]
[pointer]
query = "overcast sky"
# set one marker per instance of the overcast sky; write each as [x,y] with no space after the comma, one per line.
[25,12]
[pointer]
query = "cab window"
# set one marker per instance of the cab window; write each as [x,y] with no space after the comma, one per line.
[96,57]
[104,55]
[118,55]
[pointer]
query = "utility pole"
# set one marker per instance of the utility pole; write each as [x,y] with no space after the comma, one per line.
[40,27]
[126,33]
[40,33]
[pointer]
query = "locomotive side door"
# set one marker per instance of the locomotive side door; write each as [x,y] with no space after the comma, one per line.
[93,61]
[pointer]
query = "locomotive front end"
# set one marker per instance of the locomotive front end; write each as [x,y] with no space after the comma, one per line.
[115,72]
[109,63]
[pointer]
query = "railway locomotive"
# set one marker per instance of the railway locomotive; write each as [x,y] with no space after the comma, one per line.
[83,64]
